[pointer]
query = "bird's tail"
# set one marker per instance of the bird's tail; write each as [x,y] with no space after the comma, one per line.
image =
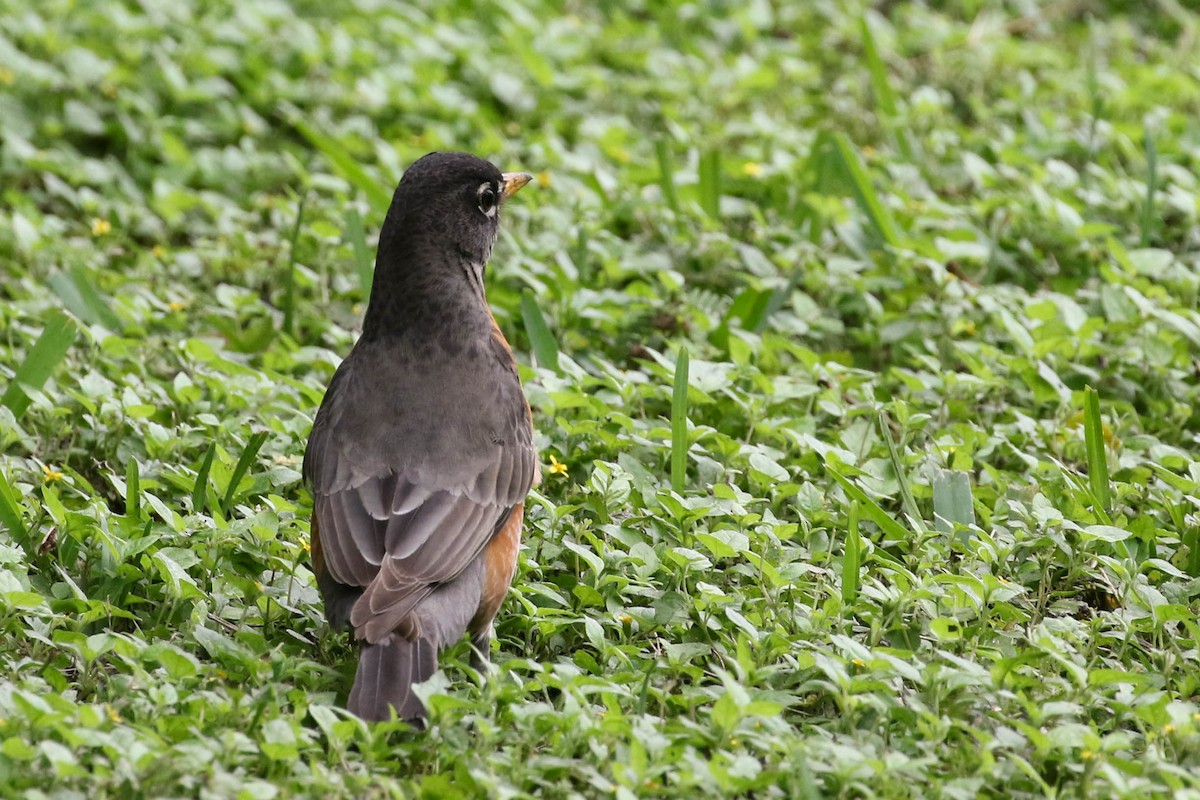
[385,677]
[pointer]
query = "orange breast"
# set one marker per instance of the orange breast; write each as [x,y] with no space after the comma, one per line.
[500,562]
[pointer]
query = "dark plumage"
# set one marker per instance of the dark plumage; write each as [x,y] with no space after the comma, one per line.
[422,452]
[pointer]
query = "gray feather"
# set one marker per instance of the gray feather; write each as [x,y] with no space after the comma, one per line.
[385,677]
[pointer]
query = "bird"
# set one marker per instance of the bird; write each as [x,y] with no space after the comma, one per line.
[421,453]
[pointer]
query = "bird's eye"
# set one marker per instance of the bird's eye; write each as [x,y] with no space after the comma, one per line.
[487,200]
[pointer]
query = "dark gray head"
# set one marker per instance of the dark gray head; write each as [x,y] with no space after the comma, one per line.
[453,200]
[439,231]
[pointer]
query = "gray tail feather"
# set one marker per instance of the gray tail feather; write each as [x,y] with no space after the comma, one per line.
[385,677]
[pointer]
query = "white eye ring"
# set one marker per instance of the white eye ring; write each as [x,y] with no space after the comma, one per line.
[488,199]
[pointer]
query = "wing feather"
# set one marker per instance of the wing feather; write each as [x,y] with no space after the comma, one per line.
[405,509]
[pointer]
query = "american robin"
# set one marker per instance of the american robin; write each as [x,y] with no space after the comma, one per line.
[422,453]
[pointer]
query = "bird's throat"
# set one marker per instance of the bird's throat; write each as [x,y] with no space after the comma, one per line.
[449,298]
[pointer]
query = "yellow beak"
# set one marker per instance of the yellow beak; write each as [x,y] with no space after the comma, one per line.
[513,181]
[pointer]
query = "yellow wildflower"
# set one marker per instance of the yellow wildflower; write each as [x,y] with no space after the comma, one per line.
[858,662]
[1168,729]
[543,179]
[1087,755]
[752,168]
[556,467]
[51,475]
[176,305]
[113,715]
[158,251]
[100,226]
[625,619]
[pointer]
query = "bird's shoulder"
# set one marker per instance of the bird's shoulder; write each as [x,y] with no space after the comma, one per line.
[393,407]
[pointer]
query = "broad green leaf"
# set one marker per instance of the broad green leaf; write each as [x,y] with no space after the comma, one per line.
[952,500]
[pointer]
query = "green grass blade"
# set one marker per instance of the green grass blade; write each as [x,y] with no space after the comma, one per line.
[751,308]
[1097,112]
[907,501]
[239,470]
[545,347]
[881,87]
[864,193]
[289,276]
[580,256]
[200,487]
[357,236]
[710,183]
[851,559]
[666,174]
[1171,479]
[756,318]
[347,166]
[1097,456]
[1192,540]
[885,98]
[893,531]
[79,295]
[679,422]
[47,352]
[1151,188]
[133,488]
[10,512]
[953,503]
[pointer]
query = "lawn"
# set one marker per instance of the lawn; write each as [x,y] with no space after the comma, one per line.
[863,347]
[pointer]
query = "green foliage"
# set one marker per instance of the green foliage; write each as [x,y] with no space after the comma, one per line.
[918,518]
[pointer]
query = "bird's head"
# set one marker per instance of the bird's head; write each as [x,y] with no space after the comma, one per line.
[452,202]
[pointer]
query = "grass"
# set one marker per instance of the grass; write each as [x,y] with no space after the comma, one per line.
[921,523]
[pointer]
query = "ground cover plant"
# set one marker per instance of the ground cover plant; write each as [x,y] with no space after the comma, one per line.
[861,341]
